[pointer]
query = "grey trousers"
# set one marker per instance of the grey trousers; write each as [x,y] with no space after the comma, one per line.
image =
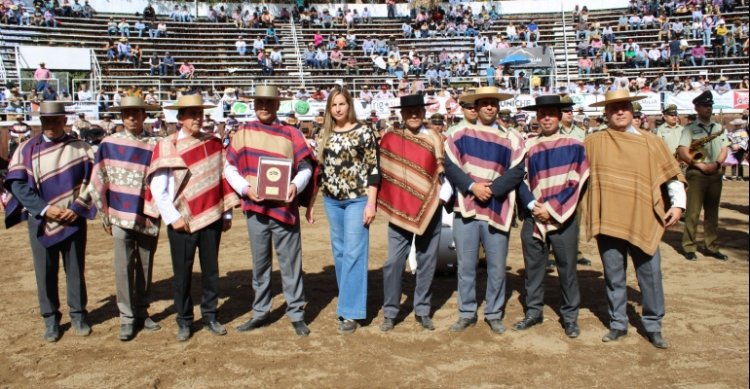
[265,231]
[134,262]
[399,245]
[46,268]
[614,253]
[468,233]
[535,254]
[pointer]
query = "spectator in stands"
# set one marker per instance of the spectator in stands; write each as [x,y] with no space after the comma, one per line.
[582,48]
[406,30]
[336,58]
[162,29]
[634,21]
[698,54]
[533,31]
[309,57]
[365,95]
[444,75]
[641,58]
[276,57]
[168,65]
[187,70]
[140,26]
[123,50]
[708,26]
[266,66]
[384,93]
[88,11]
[352,66]
[211,15]
[149,13]
[368,46]
[391,8]
[124,28]
[722,86]
[112,27]
[240,45]
[619,51]
[379,64]
[271,34]
[185,14]
[622,23]
[258,45]
[326,20]
[102,100]
[84,94]
[41,77]
[675,53]
[654,55]
[154,65]
[136,56]
[49,94]
[321,57]
[110,49]
[510,32]
[366,16]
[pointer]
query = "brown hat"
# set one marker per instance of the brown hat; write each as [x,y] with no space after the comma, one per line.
[485,92]
[189,101]
[616,97]
[52,108]
[267,92]
[134,102]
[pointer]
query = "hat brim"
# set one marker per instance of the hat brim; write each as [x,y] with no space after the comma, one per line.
[617,100]
[176,107]
[279,98]
[411,105]
[147,107]
[52,114]
[536,107]
[473,98]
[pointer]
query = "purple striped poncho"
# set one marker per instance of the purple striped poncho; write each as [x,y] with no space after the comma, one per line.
[59,170]
[485,153]
[556,169]
[119,179]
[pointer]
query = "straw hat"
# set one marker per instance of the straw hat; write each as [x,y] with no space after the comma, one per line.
[134,102]
[616,97]
[485,92]
[52,108]
[189,101]
[267,92]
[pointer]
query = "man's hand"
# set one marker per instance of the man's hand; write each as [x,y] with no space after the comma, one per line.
[291,193]
[672,216]
[540,213]
[227,225]
[54,213]
[180,225]
[707,168]
[481,191]
[69,216]
[252,195]
[310,215]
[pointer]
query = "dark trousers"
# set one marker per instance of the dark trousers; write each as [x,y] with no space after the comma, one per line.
[399,245]
[703,192]
[614,253]
[46,267]
[535,253]
[182,246]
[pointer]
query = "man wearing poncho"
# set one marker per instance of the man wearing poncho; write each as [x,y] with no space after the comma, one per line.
[556,169]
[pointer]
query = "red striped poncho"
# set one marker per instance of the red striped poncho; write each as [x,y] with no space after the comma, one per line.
[410,167]
[202,194]
[255,140]
[556,170]
[119,179]
[485,153]
[59,171]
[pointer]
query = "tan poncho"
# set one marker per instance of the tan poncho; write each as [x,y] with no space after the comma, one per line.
[626,198]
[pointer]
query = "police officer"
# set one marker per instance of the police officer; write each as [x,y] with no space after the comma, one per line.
[703,177]
[671,131]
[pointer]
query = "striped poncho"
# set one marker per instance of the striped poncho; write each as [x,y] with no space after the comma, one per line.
[557,169]
[255,140]
[119,180]
[59,171]
[410,167]
[485,153]
[202,194]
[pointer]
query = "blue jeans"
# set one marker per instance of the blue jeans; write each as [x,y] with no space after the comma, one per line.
[350,245]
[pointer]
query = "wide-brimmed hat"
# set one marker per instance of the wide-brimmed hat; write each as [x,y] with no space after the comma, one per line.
[52,108]
[189,101]
[616,97]
[411,101]
[485,92]
[267,92]
[548,101]
[738,122]
[134,102]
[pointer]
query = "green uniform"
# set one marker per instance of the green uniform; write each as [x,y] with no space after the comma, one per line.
[575,132]
[704,191]
[671,135]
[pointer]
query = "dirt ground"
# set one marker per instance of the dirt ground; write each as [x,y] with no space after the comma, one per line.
[706,325]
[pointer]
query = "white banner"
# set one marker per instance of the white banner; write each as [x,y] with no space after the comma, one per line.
[217,113]
[730,102]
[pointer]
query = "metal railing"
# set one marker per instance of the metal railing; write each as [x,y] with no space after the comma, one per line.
[96,72]
[297,54]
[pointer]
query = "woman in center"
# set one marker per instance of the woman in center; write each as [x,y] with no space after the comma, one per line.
[348,152]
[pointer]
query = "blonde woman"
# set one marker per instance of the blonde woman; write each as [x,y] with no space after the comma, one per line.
[348,152]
